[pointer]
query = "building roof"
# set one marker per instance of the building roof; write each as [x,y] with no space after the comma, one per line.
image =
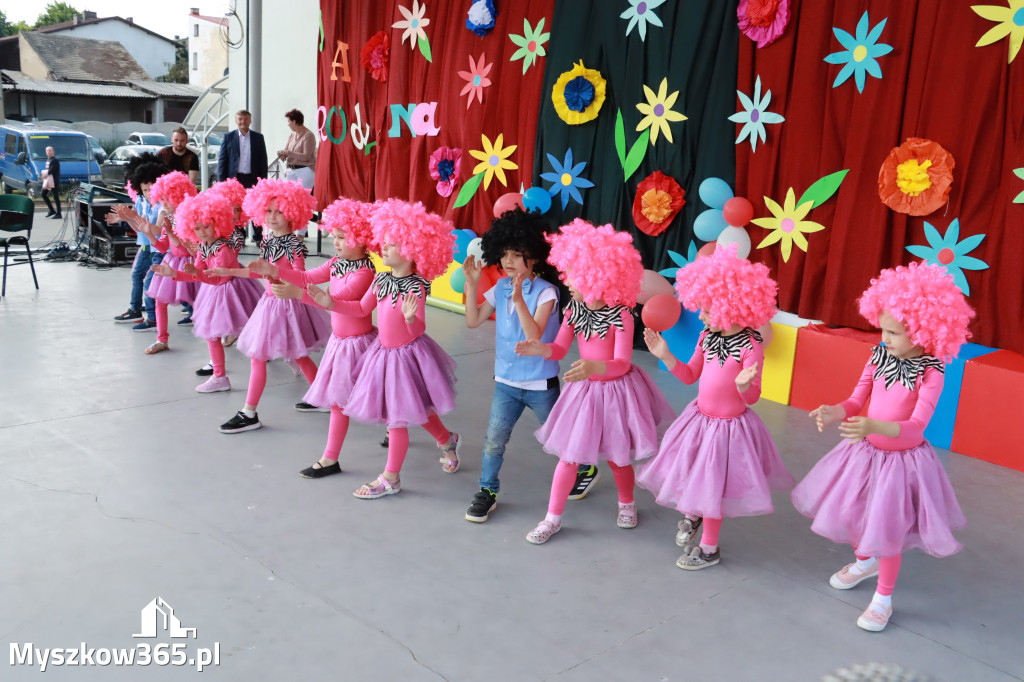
[84,59]
[15,80]
[166,89]
[72,24]
[222,21]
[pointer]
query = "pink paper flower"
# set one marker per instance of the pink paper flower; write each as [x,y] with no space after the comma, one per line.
[445,164]
[763,21]
[476,79]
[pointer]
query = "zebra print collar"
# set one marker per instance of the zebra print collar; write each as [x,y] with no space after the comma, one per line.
[237,239]
[342,266]
[288,245]
[387,284]
[589,322]
[206,251]
[904,370]
[716,346]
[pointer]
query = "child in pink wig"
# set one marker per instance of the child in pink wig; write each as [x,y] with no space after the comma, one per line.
[168,192]
[882,489]
[610,409]
[404,377]
[718,459]
[223,304]
[350,275]
[232,190]
[278,328]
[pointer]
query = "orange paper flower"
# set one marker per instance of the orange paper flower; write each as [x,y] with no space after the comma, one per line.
[916,177]
[658,200]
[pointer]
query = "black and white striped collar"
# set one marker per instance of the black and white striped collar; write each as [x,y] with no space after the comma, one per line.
[386,284]
[904,370]
[589,322]
[237,239]
[716,346]
[206,251]
[287,246]
[342,266]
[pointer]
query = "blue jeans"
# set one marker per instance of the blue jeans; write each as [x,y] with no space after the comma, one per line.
[155,259]
[140,278]
[506,408]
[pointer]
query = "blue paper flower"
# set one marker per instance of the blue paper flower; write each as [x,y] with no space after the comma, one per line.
[691,255]
[641,12]
[480,19]
[860,54]
[566,179]
[755,115]
[950,253]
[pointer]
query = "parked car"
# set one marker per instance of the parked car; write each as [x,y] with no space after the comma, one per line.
[24,157]
[97,149]
[113,169]
[158,139]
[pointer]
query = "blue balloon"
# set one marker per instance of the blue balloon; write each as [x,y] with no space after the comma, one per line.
[462,240]
[458,281]
[537,199]
[709,224]
[715,192]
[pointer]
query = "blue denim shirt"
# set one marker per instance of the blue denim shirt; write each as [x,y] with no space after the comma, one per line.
[507,364]
[148,212]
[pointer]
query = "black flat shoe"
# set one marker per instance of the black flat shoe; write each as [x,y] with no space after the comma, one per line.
[317,471]
[51,213]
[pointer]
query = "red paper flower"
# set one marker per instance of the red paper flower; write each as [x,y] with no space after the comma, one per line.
[375,55]
[763,21]
[916,177]
[445,165]
[658,200]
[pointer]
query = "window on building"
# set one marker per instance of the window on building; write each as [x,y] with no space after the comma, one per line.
[195,61]
[195,30]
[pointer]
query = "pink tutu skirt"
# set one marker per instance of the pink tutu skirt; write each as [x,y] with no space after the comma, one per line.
[222,309]
[714,467]
[403,386]
[169,290]
[337,371]
[883,502]
[284,328]
[617,420]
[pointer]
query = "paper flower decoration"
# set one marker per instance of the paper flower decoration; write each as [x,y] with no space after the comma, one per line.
[476,79]
[947,252]
[1011,23]
[763,21]
[531,44]
[658,111]
[1019,199]
[754,115]
[860,54]
[445,164]
[916,177]
[413,25]
[658,200]
[691,255]
[493,160]
[566,179]
[480,19]
[641,12]
[787,224]
[375,55]
[578,94]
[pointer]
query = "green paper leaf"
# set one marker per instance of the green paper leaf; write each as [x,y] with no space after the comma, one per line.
[468,190]
[1019,199]
[1019,172]
[425,49]
[823,189]
[620,139]
[636,154]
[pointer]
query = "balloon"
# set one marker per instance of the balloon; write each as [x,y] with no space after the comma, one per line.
[653,285]
[738,236]
[738,211]
[661,312]
[537,199]
[476,249]
[709,224]
[462,240]
[507,202]
[767,333]
[458,281]
[707,249]
[715,192]
[488,277]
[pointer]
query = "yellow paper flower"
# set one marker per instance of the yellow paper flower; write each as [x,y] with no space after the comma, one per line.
[493,159]
[578,94]
[787,224]
[1011,23]
[912,177]
[658,111]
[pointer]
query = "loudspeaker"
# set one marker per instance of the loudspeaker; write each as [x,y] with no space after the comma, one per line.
[112,251]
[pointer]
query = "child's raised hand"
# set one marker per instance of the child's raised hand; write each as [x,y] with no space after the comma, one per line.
[656,344]
[530,347]
[825,415]
[217,272]
[286,290]
[263,267]
[581,370]
[855,429]
[190,269]
[162,269]
[517,288]
[744,378]
[410,303]
[471,269]
[321,297]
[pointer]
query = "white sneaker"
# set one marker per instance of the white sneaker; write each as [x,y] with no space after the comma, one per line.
[213,385]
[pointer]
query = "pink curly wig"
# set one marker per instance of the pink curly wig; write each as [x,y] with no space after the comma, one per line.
[352,218]
[171,189]
[204,209]
[732,291]
[924,298]
[422,237]
[232,190]
[292,199]
[132,194]
[600,262]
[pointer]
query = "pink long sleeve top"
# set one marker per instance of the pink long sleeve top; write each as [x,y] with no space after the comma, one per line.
[716,361]
[287,252]
[604,335]
[904,391]
[350,280]
[164,243]
[219,254]
[386,296]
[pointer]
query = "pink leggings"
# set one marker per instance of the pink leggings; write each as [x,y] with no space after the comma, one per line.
[161,322]
[217,356]
[888,571]
[258,377]
[398,441]
[336,433]
[565,477]
[709,536]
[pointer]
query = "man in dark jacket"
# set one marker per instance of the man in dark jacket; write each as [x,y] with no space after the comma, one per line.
[243,155]
[52,173]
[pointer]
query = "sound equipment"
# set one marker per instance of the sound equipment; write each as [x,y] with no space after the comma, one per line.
[111,244]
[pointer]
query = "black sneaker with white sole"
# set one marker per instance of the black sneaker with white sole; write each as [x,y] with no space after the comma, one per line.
[205,371]
[129,316]
[586,477]
[306,407]
[484,502]
[241,422]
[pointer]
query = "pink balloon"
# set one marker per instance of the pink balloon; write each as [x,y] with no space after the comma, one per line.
[738,211]
[767,334]
[661,312]
[653,285]
[707,249]
[507,202]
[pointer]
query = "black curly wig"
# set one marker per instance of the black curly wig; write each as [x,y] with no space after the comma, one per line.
[519,231]
[147,173]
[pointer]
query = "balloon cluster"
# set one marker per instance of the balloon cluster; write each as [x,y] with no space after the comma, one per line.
[723,223]
[466,244]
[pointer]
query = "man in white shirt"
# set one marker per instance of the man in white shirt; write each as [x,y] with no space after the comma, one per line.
[243,155]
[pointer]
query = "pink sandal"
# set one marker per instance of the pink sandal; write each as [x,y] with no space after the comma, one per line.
[380,488]
[450,460]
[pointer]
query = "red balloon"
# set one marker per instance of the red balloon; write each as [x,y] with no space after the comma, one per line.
[661,312]
[507,202]
[738,211]
[707,249]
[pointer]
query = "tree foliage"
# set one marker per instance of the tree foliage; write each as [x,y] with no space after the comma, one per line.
[55,13]
[178,73]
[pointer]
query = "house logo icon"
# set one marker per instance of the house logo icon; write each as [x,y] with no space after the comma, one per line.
[159,615]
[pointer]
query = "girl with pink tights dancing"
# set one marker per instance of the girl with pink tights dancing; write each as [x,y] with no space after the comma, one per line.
[610,409]
[278,328]
[882,489]
[350,275]
[717,459]
[404,376]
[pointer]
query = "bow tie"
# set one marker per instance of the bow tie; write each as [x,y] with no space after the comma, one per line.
[589,322]
[716,346]
[904,370]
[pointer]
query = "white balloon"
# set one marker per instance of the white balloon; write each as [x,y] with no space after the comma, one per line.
[738,236]
[476,249]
